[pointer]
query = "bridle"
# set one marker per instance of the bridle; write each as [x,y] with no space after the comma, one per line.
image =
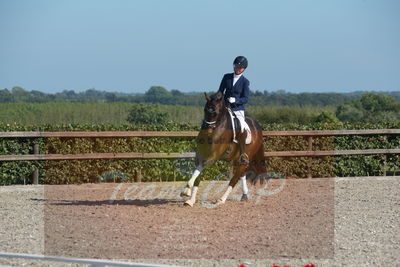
[210,124]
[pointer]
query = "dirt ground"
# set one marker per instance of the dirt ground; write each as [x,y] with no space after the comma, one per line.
[149,221]
[352,221]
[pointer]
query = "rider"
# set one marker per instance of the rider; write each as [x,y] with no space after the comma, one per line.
[236,88]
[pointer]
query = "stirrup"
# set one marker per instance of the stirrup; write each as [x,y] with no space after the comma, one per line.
[244,159]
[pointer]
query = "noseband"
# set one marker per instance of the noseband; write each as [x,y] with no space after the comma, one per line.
[210,124]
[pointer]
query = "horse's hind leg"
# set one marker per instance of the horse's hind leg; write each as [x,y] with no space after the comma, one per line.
[244,188]
[238,172]
[259,165]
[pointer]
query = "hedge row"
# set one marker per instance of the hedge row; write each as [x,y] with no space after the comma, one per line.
[82,171]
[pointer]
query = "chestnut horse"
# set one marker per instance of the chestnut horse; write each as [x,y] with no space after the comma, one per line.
[215,142]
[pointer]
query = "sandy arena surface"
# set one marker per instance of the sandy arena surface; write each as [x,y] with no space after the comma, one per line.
[327,222]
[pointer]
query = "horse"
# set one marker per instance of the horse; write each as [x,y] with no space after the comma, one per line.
[215,142]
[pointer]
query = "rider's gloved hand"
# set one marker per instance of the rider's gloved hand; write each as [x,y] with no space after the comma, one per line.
[231,100]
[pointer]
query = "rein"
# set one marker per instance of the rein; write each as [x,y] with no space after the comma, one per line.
[231,112]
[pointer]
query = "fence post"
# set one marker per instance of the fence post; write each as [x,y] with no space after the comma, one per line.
[35,175]
[138,176]
[384,165]
[310,159]
[385,158]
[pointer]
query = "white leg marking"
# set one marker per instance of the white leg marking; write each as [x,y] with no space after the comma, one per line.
[225,196]
[192,199]
[244,184]
[195,174]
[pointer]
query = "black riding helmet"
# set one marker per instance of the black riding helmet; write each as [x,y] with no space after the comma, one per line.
[240,61]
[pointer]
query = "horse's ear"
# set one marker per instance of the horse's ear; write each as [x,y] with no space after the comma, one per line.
[219,95]
[207,97]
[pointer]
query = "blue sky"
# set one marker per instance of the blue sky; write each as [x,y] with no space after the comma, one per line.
[130,45]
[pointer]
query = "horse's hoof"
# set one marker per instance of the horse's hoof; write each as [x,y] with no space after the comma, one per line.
[187,192]
[219,202]
[184,195]
[188,203]
[244,197]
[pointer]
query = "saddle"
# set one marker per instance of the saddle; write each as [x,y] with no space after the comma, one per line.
[236,123]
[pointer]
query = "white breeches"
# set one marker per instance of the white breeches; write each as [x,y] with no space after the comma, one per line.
[243,124]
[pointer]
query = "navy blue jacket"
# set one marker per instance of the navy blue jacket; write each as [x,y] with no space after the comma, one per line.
[240,91]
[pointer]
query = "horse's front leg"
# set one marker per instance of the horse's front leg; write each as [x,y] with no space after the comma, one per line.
[187,191]
[192,187]
[238,172]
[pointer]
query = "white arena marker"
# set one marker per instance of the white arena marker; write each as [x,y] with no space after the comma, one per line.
[91,262]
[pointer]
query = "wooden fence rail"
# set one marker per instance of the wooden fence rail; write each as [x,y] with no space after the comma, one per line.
[190,134]
[38,134]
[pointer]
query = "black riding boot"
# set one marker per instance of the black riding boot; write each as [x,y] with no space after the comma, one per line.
[244,158]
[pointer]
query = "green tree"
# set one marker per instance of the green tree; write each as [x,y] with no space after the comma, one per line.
[111,97]
[37,96]
[349,113]
[20,94]
[371,108]
[145,113]
[326,117]
[157,94]
[377,102]
[177,93]
[6,96]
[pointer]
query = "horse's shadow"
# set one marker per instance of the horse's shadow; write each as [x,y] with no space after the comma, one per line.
[134,202]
